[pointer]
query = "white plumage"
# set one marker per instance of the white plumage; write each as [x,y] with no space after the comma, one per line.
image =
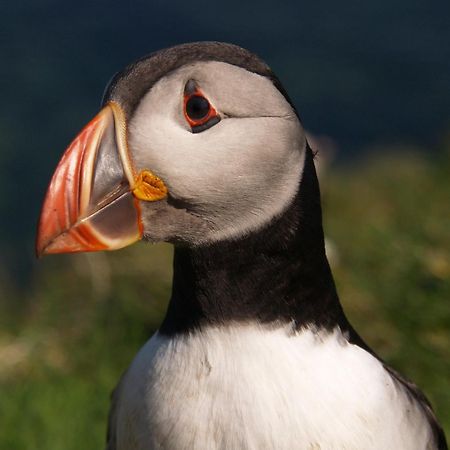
[258,387]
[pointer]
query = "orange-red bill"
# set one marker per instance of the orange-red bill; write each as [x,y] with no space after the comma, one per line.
[89,205]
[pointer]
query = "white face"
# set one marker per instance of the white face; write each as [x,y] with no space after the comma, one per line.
[231,178]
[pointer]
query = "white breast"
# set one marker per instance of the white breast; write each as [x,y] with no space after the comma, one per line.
[253,387]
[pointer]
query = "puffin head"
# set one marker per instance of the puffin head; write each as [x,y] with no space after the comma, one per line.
[194,144]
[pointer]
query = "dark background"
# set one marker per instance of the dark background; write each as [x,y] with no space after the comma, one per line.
[363,73]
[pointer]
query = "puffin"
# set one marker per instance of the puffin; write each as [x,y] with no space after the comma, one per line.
[199,145]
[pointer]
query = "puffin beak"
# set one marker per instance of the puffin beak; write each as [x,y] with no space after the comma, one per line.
[93,200]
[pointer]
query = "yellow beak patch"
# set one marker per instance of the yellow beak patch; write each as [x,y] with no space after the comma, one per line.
[149,187]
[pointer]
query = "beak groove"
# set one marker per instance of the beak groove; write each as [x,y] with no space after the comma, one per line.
[91,202]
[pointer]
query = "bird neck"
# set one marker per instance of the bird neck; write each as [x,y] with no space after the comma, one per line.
[279,274]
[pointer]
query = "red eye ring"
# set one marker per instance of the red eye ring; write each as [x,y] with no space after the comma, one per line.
[197,109]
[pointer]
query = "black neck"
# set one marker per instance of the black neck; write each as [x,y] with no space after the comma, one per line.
[278,274]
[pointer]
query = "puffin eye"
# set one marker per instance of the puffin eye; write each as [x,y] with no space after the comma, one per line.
[197,108]
[199,113]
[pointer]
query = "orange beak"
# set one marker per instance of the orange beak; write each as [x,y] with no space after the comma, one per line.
[93,200]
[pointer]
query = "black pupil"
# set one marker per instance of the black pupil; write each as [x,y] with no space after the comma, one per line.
[197,107]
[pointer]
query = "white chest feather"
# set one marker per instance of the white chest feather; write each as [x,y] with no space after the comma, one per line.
[250,387]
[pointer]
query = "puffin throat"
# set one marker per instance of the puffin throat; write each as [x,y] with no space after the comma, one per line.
[277,274]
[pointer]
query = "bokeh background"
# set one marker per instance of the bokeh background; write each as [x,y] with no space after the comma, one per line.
[371,81]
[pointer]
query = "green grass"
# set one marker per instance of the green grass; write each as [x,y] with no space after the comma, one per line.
[390,219]
[65,342]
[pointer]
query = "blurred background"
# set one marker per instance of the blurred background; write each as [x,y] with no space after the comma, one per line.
[371,81]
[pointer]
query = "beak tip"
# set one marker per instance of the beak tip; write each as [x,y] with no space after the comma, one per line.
[38,252]
[41,245]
